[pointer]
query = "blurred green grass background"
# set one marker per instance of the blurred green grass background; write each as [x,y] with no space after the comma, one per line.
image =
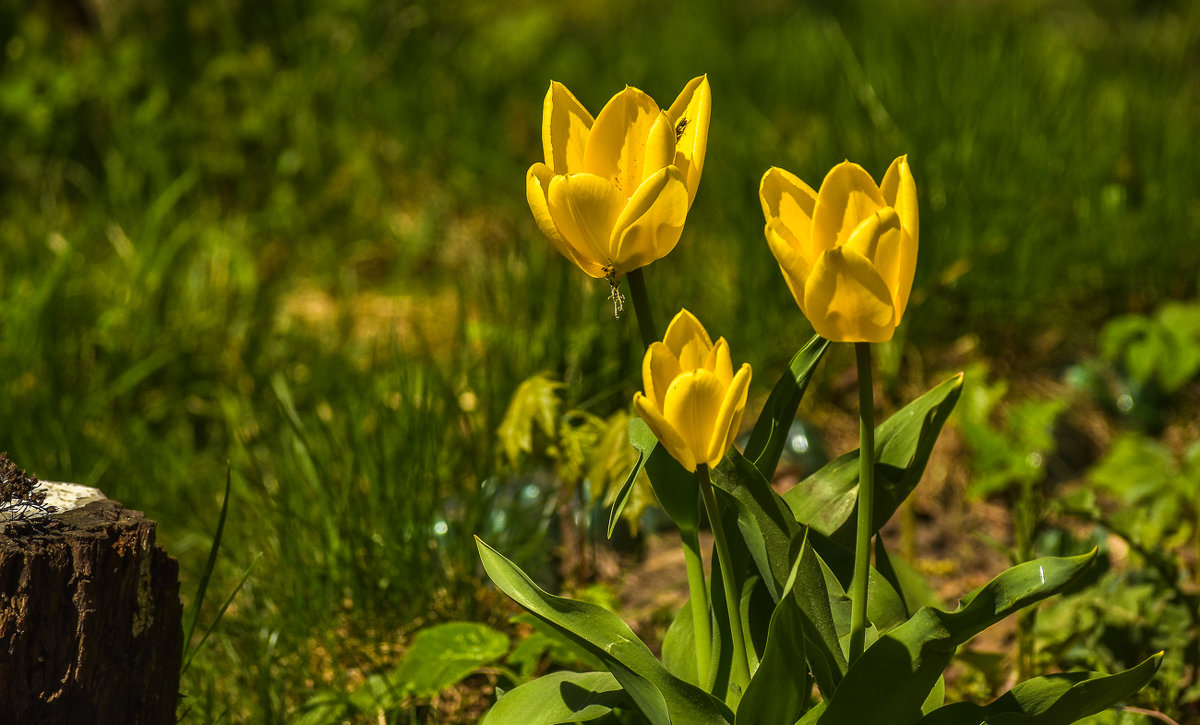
[293,237]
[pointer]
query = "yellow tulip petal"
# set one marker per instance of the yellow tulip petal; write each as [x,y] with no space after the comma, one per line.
[565,127]
[689,116]
[789,200]
[729,417]
[537,182]
[880,240]
[686,333]
[663,430]
[900,191]
[692,404]
[846,300]
[659,367]
[882,227]
[660,149]
[848,195]
[793,265]
[719,362]
[616,146]
[584,208]
[651,222]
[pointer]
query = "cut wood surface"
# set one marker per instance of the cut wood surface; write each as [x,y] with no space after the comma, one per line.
[89,619]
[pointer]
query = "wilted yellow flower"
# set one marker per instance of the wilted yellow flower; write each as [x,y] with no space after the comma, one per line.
[613,193]
[848,252]
[693,402]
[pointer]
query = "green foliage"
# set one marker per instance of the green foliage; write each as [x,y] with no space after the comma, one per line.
[1163,349]
[1010,443]
[440,657]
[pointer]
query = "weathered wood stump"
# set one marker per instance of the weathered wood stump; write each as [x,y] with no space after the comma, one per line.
[90,626]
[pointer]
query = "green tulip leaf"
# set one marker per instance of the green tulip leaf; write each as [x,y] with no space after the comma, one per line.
[885,606]
[826,500]
[1051,700]
[771,533]
[559,697]
[660,696]
[679,646]
[674,486]
[779,688]
[893,678]
[643,442]
[770,432]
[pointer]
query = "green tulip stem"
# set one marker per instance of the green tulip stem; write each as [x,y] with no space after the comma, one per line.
[641,306]
[740,677]
[866,501]
[701,618]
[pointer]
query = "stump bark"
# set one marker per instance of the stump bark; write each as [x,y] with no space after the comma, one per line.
[90,626]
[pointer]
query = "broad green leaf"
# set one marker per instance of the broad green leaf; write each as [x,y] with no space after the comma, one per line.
[1051,700]
[770,431]
[893,678]
[885,606]
[559,697]
[440,657]
[826,500]
[771,533]
[779,688]
[660,696]
[679,646]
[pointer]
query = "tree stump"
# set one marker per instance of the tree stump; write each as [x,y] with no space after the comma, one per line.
[90,627]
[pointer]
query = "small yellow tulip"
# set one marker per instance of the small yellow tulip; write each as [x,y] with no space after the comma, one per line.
[614,191]
[849,251]
[694,402]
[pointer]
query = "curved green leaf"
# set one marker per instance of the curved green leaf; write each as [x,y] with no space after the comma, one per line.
[560,697]
[770,431]
[643,442]
[771,534]
[660,696]
[1051,700]
[892,679]
[778,692]
[826,500]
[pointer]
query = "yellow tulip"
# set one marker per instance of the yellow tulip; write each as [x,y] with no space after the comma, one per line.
[614,191]
[694,402]
[849,251]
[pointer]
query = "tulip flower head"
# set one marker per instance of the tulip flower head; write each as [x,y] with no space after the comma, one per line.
[614,191]
[693,402]
[849,251]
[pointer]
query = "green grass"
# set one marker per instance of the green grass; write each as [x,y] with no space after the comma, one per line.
[293,238]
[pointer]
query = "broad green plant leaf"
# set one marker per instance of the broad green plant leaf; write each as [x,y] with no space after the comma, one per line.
[771,533]
[778,691]
[826,500]
[559,697]
[662,697]
[770,431]
[893,678]
[1051,700]
[440,656]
